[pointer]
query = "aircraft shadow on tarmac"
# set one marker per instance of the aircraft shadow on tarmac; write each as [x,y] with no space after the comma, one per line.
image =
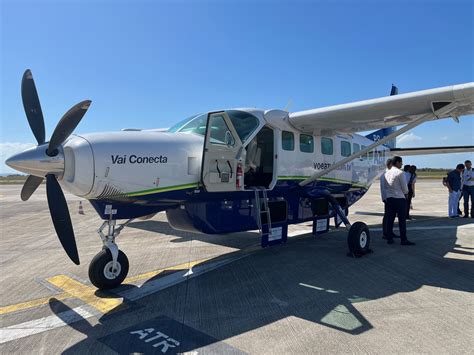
[309,278]
[231,240]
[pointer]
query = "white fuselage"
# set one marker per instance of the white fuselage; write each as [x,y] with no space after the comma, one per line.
[140,162]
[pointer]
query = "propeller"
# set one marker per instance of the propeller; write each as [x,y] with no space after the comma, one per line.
[30,186]
[32,106]
[56,200]
[61,218]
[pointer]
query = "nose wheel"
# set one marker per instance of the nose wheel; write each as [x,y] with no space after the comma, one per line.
[104,273]
[109,267]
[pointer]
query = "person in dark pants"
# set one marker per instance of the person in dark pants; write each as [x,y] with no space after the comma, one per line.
[411,188]
[396,190]
[468,188]
[453,183]
[383,193]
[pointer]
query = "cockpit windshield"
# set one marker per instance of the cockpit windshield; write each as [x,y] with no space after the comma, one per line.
[244,123]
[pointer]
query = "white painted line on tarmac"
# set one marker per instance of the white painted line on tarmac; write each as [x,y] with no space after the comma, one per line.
[299,232]
[154,286]
[77,314]
[464,226]
[44,324]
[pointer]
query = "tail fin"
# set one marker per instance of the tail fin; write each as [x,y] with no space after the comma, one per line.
[377,135]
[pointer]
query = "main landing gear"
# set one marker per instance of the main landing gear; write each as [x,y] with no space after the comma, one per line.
[109,267]
[358,238]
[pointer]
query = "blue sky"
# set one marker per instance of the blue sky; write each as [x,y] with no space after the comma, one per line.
[149,64]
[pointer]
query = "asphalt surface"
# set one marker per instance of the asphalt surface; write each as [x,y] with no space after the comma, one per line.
[191,293]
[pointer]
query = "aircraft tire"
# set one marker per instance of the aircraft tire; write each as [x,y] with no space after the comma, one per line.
[100,270]
[358,238]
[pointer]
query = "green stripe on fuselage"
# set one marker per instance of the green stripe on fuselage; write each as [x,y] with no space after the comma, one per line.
[339,181]
[162,189]
[193,185]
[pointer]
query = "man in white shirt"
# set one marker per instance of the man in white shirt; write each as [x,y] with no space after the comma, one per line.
[468,188]
[383,193]
[396,190]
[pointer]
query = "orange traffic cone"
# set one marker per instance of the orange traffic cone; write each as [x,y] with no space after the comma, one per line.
[81,209]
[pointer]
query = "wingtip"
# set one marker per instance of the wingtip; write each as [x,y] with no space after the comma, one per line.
[86,104]
[28,74]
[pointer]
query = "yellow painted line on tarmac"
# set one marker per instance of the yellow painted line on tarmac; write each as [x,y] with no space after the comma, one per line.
[76,289]
[85,293]
[31,304]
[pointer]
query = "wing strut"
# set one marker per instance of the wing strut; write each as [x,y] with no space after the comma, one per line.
[422,119]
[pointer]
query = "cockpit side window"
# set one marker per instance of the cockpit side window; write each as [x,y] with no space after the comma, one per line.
[195,125]
[181,123]
[244,123]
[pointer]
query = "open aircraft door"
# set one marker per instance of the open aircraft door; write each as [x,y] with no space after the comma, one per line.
[221,160]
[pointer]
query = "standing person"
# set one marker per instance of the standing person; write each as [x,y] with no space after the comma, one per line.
[383,192]
[468,188]
[445,184]
[411,188]
[453,183]
[406,172]
[396,189]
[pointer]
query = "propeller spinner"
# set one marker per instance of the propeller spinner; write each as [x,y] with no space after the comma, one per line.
[47,160]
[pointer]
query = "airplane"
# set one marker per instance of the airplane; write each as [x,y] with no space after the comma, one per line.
[227,171]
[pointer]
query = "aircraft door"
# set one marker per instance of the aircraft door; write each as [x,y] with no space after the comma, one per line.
[221,155]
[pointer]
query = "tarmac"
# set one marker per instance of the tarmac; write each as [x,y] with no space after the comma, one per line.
[192,293]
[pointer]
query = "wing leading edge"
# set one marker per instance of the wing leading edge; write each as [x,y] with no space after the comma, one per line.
[450,101]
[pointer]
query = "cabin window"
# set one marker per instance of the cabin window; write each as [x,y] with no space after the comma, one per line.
[371,154]
[306,143]
[345,148]
[287,140]
[356,147]
[364,157]
[327,146]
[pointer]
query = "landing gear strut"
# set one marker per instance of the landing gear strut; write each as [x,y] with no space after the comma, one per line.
[358,238]
[109,267]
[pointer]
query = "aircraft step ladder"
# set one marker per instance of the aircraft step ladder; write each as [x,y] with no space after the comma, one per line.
[264,228]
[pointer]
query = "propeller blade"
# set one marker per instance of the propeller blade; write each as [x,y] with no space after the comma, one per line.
[61,218]
[32,106]
[30,186]
[67,124]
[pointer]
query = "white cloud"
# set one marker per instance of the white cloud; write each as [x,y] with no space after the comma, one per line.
[444,138]
[7,149]
[408,138]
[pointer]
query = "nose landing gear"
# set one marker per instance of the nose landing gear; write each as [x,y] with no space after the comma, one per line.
[109,267]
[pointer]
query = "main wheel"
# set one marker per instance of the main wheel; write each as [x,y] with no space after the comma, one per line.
[102,273]
[358,239]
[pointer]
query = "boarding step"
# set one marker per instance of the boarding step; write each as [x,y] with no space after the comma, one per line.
[269,233]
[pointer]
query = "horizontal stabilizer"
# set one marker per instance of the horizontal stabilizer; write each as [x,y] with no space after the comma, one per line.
[432,150]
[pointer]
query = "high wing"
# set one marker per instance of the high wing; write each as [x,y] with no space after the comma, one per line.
[432,150]
[449,101]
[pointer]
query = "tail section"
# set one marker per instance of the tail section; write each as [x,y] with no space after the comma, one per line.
[381,133]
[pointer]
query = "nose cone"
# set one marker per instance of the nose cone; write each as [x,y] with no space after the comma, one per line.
[35,161]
